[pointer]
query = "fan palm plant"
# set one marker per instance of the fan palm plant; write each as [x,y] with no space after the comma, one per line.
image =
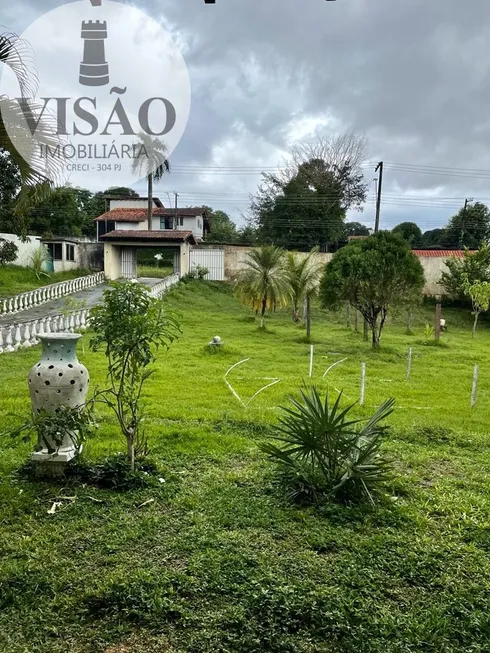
[152,162]
[303,275]
[262,283]
[324,454]
[36,172]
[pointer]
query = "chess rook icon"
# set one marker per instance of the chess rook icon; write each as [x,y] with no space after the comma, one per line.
[94,70]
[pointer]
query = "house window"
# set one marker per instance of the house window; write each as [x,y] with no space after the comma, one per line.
[70,252]
[55,251]
[181,221]
[166,223]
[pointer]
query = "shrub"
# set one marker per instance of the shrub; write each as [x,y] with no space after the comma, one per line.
[8,251]
[324,455]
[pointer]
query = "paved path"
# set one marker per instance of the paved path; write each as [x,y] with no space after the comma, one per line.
[91,297]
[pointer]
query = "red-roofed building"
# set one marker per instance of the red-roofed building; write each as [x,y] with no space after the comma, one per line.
[130,213]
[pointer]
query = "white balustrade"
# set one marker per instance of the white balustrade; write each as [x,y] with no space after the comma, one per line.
[17,337]
[27,337]
[47,293]
[9,347]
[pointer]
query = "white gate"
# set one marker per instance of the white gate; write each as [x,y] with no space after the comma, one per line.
[212,259]
[128,262]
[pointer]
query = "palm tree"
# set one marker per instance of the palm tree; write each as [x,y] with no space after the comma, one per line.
[262,282]
[153,163]
[303,275]
[36,172]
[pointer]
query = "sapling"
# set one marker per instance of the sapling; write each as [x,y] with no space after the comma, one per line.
[131,326]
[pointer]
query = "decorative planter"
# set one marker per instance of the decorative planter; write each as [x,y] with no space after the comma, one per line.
[59,379]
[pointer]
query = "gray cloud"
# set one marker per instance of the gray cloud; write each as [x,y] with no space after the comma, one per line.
[413,76]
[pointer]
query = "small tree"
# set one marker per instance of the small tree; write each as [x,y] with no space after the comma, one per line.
[479,291]
[8,251]
[373,275]
[302,275]
[131,325]
[473,267]
[262,283]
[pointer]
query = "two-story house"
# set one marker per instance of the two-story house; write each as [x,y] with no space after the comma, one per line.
[130,214]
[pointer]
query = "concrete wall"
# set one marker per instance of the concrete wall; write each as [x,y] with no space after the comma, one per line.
[112,262]
[433,266]
[91,256]
[25,250]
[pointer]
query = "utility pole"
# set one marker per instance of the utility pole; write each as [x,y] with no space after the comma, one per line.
[378,199]
[466,202]
[176,219]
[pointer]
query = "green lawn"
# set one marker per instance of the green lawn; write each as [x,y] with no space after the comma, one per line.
[15,279]
[154,271]
[218,562]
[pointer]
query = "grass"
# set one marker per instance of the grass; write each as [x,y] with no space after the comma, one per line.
[154,271]
[219,561]
[15,279]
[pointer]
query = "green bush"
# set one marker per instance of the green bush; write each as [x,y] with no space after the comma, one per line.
[324,455]
[8,251]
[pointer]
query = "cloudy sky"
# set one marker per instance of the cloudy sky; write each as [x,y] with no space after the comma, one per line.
[411,75]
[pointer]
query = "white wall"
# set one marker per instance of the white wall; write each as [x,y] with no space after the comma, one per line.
[130,204]
[190,224]
[25,250]
[132,226]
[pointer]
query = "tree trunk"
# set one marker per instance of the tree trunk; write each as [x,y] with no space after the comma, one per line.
[131,453]
[347,315]
[374,331]
[473,331]
[366,330]
[305,310]
[264,306]
[295,313]
[356,320]
[149,213]
[308,318]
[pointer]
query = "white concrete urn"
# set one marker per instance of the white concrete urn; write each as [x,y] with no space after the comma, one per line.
[59,379]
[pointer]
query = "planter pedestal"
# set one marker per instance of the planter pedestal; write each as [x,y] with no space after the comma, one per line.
[59,379]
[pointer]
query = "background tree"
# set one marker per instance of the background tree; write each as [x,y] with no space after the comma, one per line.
[410,232]
[305,204]
[9,189]
[153,163]
[34,185]
[223,229]
[373,275]
[479,292]
[8,251]
[470,227]
[130,325]
[60,214]
[463,272]
[262,282]
[432,239]
[355,229]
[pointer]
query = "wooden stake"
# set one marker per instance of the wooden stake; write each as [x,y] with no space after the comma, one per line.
[437,330]
[475,386]
[311,361]
[363,383]
[409,363]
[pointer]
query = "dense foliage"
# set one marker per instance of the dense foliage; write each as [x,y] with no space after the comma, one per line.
[373,275]
[410,232]
[8,251]
[473,267]
[322,454]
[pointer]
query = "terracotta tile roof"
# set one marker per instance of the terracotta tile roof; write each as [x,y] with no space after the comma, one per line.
[164,234]
[440,253]
[122,214]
